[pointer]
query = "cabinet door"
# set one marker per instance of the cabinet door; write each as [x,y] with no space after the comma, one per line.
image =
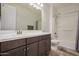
[47,46]
[32,49]
[21,51]
[42,48]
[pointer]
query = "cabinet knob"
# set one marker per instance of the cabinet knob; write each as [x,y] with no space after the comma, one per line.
[28,48]
[24,49]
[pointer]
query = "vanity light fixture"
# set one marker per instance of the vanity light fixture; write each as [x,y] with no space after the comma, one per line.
[37,5]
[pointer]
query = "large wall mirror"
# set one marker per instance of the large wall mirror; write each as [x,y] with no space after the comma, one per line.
[20,16]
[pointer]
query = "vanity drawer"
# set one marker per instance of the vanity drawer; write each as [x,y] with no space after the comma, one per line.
[43,37]
[21,51]
[33,39]
[8,45]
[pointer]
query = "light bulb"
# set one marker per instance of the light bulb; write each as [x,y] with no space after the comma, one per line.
[37,6]
[41,5]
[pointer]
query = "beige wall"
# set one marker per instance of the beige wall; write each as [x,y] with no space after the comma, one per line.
[25,16]
[8,17]
[48,19]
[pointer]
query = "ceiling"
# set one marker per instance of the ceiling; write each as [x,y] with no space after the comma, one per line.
[26,5]
[56,5]
[30,7]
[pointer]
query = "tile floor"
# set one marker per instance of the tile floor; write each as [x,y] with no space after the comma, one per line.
[57,52]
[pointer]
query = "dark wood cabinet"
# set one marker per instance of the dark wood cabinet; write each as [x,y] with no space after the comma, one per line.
[47,46]
[21,51]
[0,9]
[32,49]
[34,46]
[33,39]
[42,48]
[8,45]
[44,45]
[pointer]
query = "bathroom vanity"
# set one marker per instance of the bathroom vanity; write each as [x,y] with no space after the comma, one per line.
[25,44]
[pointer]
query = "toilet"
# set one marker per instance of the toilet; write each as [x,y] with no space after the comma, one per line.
[54,43]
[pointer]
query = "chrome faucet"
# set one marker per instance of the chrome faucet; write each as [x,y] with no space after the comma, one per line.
[19,32]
